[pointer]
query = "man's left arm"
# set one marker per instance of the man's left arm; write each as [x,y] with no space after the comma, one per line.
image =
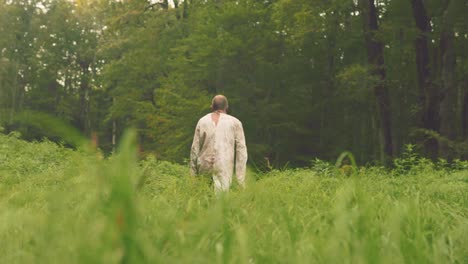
[241,154]
[194,152]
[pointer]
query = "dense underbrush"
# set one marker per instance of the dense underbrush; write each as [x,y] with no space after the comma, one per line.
[64,206]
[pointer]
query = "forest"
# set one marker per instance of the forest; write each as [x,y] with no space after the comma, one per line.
[308,78]
[355,115]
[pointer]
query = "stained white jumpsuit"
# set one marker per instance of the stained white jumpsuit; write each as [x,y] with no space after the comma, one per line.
[215,149]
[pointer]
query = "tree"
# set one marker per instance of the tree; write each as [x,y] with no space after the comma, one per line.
[436,66]
[429,95]
[308,78]
[375,55]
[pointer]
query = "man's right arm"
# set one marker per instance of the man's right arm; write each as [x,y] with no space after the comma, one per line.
[241,154]
[195,151]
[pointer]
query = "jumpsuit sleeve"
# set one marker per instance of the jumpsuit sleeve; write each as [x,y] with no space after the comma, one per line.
[241,154]
[195,150]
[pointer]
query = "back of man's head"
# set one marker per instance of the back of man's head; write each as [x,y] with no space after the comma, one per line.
[219,102]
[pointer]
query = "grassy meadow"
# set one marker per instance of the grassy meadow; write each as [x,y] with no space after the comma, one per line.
[71,206]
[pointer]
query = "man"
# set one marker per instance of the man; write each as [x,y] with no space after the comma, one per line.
[219,143]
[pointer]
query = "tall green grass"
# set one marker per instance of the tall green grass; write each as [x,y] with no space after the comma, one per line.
[63,206]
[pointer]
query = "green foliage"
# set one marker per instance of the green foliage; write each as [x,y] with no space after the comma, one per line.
[60,205]
[296,72]
[50,127]
[356,82]
[411,162]
[324,168]
[344,165]
[454,148]
[16,163]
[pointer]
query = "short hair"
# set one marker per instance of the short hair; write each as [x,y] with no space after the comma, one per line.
[219,102]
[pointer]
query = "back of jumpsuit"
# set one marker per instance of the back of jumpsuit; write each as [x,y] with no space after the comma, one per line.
[215,149]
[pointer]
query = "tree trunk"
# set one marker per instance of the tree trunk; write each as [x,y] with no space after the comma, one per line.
[84,99]
[329,86]
[430,98]
[375,59]
[448,106]
[14,92]
[114,135]
[185,9]
[465,116]
[465,111]
[449,115]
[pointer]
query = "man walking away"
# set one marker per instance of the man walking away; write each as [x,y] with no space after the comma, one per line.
[218,144]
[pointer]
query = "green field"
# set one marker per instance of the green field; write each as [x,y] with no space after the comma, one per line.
[64,206]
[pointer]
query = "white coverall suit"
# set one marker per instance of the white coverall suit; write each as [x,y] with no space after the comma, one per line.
[216,147]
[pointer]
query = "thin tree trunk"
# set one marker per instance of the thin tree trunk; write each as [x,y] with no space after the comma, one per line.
[114,135]
[14,93]
[329,87]
[465,111]
[57,99]
[185,9]
[464,116]
[375,58]
[2,93]
[84,99]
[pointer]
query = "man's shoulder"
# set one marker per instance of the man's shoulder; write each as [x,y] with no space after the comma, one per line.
[205,118]
[234,119]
